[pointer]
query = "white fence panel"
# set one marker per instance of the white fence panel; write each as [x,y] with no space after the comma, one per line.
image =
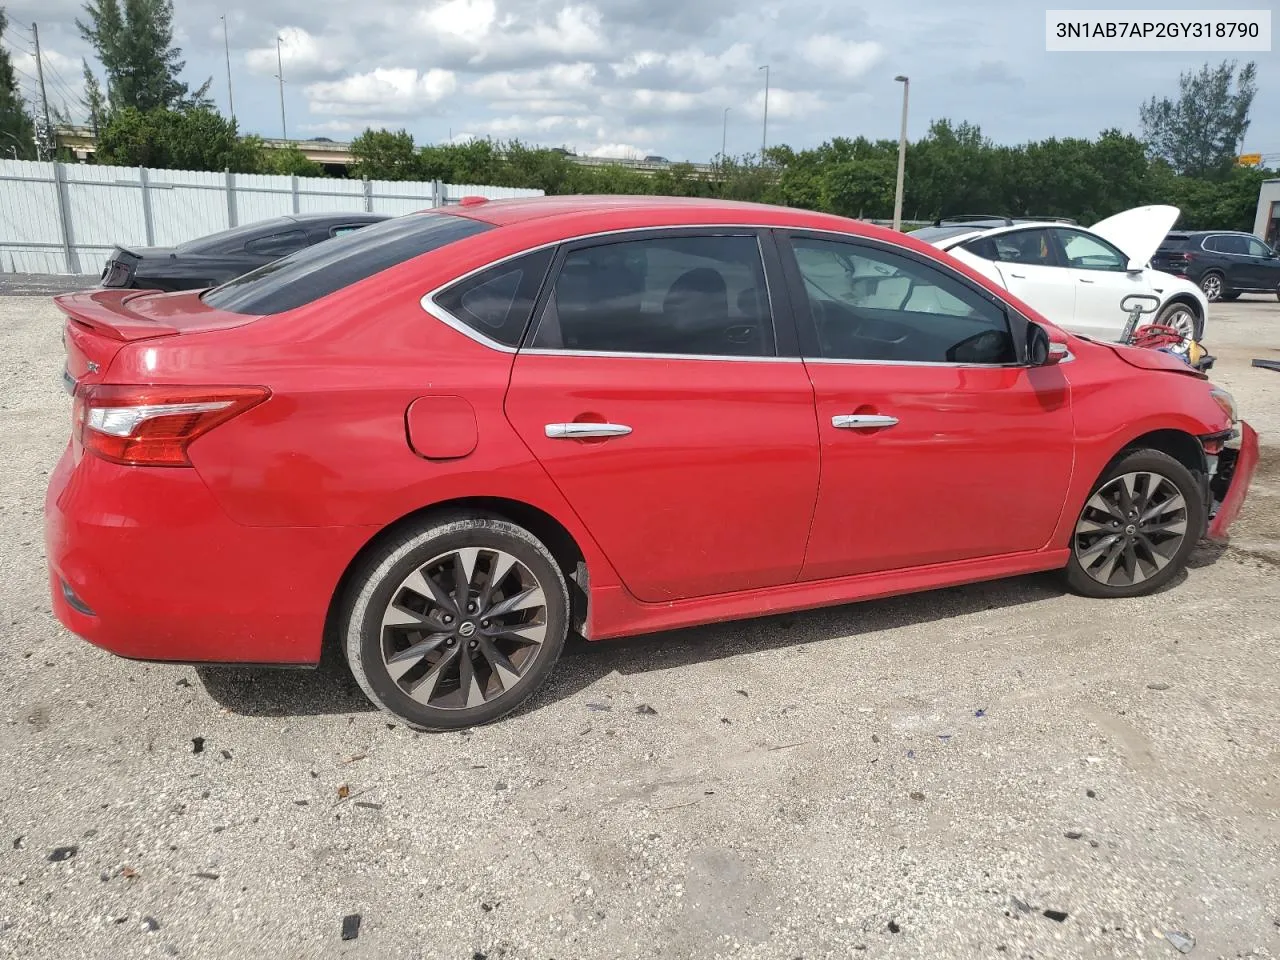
[30,235]
[94,208]
[186,204]
[329,195]
[104,208]
[453,192]
[397,197]
[262,195]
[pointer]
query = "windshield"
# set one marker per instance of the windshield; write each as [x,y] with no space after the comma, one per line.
[331,265]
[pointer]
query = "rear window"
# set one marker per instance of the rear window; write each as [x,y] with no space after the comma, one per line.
[320,270]
[1175,241]
[934,234]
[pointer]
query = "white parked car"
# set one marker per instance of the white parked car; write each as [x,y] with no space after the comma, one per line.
[1076,276]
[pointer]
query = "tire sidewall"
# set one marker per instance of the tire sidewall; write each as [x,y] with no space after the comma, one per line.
[1222,286]
[1143,461]
[371,593]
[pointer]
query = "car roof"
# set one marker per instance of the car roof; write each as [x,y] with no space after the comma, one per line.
[653,210]
[336,215]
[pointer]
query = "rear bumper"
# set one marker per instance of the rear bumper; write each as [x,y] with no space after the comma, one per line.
[144,563]
[1230,484]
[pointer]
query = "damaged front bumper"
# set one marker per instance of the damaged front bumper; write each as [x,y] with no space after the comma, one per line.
[1230,473]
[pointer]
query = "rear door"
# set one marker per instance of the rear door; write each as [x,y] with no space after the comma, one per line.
[661,391]
[938,443]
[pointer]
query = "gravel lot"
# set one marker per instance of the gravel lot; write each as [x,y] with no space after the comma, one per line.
[1000,770]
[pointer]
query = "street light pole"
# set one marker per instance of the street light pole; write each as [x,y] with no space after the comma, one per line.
[764,135]
[902,153]
[284,130]
[226,46]
[724,135]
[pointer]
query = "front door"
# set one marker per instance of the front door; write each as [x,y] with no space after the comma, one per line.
[1102,278]
[937,443]
[652,392]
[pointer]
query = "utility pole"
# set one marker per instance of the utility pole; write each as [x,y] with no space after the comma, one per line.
[764,135]
[44,97]
[724,135]
[902,153]
[284,131]
[226,46]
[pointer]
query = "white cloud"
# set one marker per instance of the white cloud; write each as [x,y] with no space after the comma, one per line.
[692,63]
[473,30]
[304,56]
[849,59]
[384,92]
[558,86]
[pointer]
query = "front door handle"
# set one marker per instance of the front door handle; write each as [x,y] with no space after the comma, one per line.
[1083,280]
[862,421]
[1020,276]
[580,431]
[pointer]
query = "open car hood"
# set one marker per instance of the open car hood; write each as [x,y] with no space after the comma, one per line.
[1138,232]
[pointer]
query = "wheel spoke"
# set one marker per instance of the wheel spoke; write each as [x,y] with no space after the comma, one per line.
[1108,567]
[498,569]
[426,587]
[401,663]
[1097,548]
[506,671]
[1136,573]
[1127,486]
[1173,502]
[1173,525]
[1099,502]
[424,689]
[526,633]
[464,568]
[1158,558]
[533,597]
[468,681]
[1092,526]
[398,616]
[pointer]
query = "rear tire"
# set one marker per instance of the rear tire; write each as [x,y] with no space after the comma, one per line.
[1213,286]
[1137,528]
[455,622]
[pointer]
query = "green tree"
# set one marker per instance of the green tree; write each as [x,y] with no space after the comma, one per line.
[198,139]
[134,42]
[1199,132]
[383,155]
[290,161]
[17,129]
[94,100]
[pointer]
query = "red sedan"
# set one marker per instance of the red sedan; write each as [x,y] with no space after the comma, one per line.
[450,438]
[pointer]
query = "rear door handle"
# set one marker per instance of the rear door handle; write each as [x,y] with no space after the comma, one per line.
[1083,280]
[578,431]
[1020,276]
[861,421]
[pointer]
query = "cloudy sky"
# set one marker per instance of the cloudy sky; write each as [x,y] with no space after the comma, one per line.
[626,77]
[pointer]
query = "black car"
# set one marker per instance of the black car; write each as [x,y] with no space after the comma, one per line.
[223,256]
[1224,263]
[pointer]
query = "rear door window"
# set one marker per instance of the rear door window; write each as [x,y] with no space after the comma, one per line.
[1031,247]
[690,295]
[324,268]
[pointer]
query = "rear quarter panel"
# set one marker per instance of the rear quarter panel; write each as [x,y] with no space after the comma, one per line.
[330,445]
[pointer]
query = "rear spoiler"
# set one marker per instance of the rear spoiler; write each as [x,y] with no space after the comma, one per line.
[107,313]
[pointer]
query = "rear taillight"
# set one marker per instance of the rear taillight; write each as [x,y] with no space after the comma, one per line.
[153,426]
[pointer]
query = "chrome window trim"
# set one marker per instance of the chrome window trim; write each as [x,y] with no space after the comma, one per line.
[432,308]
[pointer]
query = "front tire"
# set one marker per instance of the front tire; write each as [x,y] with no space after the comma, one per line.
[1138,527]
[456,622]
[1182,317]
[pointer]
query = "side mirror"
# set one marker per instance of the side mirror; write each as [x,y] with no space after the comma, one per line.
[1041,351]
[1135,267]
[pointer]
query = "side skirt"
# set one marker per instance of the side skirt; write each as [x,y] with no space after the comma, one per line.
[615,613]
